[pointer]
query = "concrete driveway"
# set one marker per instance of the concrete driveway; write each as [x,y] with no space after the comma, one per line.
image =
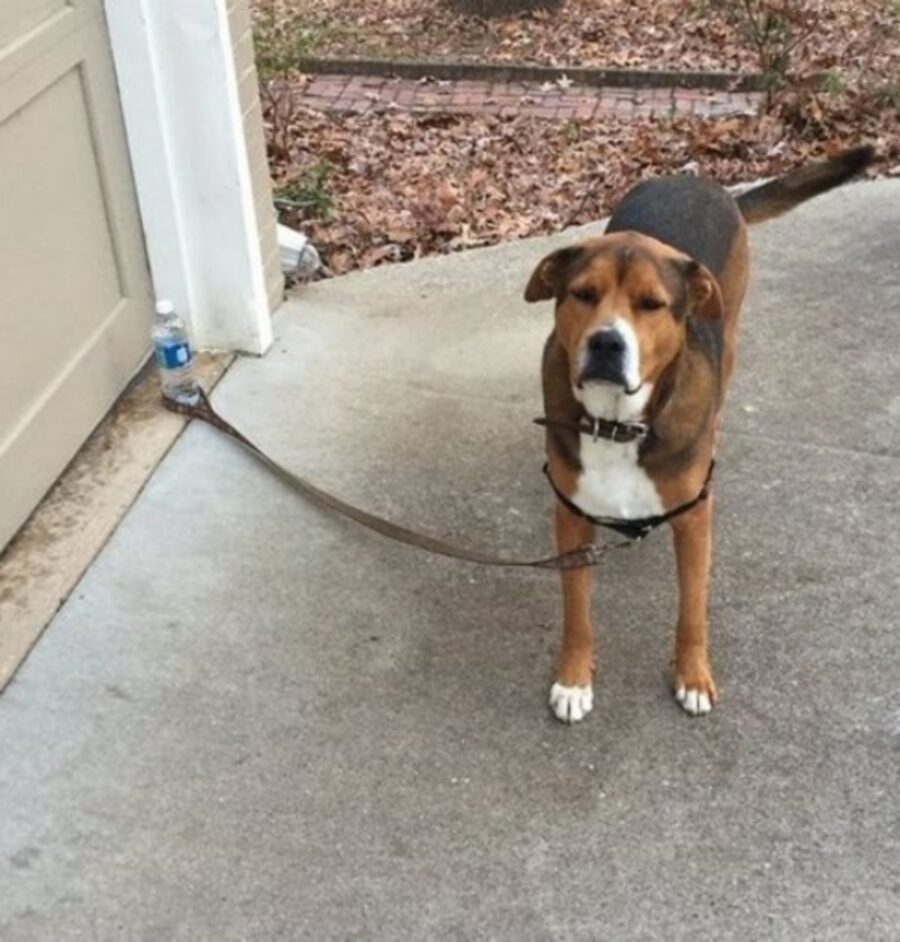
[254,721]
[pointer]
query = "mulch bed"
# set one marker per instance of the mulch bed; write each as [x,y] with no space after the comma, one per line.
[679,34]
[403,185]
[406,186]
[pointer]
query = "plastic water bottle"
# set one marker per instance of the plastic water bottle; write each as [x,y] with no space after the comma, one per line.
[299,258]
[173,355]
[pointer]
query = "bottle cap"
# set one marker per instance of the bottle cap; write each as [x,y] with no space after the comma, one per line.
[165,307]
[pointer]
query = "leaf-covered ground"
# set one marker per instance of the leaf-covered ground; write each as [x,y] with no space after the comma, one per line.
[678,34]
[389,186]
[404,186]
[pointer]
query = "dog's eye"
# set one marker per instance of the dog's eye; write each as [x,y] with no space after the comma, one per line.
[650,304]
[585,295]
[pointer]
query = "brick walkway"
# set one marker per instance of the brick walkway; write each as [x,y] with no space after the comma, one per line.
[360,94]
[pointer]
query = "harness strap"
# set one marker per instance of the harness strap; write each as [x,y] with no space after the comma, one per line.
[639,527]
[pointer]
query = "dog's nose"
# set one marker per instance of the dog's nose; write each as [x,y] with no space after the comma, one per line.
[606,344]
[605,360]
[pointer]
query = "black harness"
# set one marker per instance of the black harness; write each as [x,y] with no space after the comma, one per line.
[633,528]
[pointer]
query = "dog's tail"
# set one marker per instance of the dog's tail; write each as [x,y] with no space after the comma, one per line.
[783,193]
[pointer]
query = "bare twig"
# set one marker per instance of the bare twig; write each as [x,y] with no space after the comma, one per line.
[588,193]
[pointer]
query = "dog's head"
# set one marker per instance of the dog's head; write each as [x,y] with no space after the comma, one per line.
[622,304]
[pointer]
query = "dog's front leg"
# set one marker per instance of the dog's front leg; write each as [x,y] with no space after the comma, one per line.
[571,697]
[693,681]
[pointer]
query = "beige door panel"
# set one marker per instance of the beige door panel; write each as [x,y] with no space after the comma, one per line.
[74,289]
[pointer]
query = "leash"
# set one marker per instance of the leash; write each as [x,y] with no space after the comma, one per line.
[588,555]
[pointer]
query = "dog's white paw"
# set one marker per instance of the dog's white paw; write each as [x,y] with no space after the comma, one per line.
[693,701]
[571,704]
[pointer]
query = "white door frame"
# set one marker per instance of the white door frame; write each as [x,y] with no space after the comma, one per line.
[179,89]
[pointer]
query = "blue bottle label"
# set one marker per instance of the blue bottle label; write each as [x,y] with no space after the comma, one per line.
[173,356]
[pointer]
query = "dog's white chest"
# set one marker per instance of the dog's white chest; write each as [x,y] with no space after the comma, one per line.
[612,483]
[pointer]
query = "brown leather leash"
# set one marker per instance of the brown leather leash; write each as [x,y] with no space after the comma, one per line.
[588,555]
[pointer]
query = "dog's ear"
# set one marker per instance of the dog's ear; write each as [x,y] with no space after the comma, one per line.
[704,297]
[551,274]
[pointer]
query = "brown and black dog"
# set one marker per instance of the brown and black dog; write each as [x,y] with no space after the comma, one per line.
[644,340]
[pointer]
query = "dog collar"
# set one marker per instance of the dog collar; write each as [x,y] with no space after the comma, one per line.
[620,432]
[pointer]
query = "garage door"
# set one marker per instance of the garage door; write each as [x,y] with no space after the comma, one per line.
[74,289]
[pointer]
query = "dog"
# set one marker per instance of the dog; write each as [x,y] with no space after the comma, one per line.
[634,377]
